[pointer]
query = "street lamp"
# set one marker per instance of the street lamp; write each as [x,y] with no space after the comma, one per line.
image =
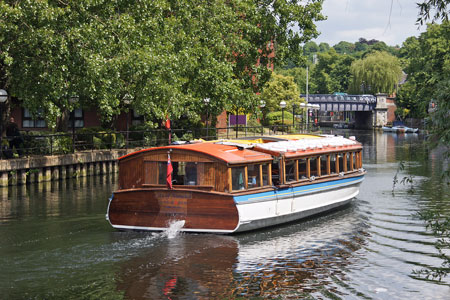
[294,106]
[305,107]
[206,101]
[127,101]
[282,105]
[3,98]
[262,104]
[73,100]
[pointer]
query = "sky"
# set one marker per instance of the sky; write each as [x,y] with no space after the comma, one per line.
[349,20]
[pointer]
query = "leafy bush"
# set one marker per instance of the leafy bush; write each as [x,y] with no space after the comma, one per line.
[99,138]
[276,119]
[254,124]
[44,142]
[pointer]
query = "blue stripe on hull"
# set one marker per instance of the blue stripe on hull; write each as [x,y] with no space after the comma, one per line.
[297,191]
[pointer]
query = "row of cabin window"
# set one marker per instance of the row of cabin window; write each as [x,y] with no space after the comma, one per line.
[295,170]
[323,165]
[257,175]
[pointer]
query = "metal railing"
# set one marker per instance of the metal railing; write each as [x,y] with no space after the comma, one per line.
[53,144]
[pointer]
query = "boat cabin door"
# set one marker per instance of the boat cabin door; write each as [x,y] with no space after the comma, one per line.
[285,195]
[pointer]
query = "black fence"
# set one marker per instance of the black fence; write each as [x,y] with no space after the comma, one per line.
[29,144]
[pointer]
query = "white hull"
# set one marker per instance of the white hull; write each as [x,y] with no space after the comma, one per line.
[286,208]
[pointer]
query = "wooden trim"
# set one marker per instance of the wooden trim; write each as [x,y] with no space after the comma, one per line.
[246,177]
[269,174]
[282,167]
[260,175]
[308,168]
[230,183]
[360,159]
[344,162]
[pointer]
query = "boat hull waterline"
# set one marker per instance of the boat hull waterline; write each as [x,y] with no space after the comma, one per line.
[154,211]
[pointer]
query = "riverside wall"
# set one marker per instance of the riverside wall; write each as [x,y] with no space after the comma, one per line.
[59,167]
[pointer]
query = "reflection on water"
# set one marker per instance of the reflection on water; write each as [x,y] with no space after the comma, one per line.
[55,243]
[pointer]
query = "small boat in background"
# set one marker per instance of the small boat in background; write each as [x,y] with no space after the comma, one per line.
[400,129]
[231,186]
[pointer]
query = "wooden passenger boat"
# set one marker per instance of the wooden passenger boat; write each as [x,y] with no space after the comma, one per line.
[234,186]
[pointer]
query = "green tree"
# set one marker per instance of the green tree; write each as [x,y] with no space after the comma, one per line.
[324,47]
[428,66]
[280,88]
[299,76]
[332,72]
[344,47]
[379,72]
[310,48]
[168,55]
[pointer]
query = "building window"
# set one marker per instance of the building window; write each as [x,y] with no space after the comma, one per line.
[136,118]
[29,122]
[79,118]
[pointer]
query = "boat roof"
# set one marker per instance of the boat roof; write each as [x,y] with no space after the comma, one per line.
[306,145]
[258,149]
[232,154]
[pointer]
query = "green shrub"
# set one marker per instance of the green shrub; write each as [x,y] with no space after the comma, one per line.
[44,142]
[276,119]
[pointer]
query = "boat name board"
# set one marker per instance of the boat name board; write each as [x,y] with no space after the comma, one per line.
[173,203]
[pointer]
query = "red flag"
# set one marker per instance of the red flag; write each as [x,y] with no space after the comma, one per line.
[169,172]
[167,124]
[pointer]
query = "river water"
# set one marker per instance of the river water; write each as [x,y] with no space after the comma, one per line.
[56,244]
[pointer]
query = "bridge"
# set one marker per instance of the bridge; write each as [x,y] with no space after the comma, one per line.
[361,111]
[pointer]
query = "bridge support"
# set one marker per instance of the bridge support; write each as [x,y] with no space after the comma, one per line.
[380,115]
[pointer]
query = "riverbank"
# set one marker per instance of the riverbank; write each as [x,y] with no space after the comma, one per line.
[44,168]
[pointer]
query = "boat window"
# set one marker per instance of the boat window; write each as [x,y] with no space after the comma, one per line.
[275,171]
[190,173]
[290,170]
[162,172]
[302,168]
[313,166]
[349,161]
[341,162]
[333,167]
[323,165]
[265,174]
[237,178]
[253,176]
[355,161]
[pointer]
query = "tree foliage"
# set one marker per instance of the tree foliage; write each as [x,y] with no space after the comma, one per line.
[280,88]
[168,55]
[434,10]
[378,72]
[427,61]
[331,73]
